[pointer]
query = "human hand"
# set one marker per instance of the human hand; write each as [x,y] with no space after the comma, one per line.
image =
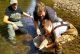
[49,45]
[31,16]
[15,26]
[38,32]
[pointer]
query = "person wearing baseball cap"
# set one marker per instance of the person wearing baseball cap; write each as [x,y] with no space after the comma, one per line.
[13,1]
[12,18]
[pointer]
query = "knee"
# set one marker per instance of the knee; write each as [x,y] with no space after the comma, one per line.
[9,26]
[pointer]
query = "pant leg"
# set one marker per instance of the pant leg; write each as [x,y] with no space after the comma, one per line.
[60,30]
[21,27]
[23,30]
[11,32]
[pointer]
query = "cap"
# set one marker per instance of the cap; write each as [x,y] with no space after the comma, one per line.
[13,1]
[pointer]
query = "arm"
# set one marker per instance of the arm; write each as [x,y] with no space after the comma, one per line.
[27,15]
[5,20]
[37,28]
[36,25]
[49,45]
[52,14]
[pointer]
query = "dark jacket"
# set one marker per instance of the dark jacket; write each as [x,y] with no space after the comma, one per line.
[14,15]
[50,14]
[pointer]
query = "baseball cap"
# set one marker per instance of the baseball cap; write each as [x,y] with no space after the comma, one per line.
[13,1]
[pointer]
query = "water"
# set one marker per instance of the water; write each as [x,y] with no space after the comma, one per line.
[29,26]
[28,22]
[32,7]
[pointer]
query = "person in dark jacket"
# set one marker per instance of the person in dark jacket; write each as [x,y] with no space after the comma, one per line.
[41,13]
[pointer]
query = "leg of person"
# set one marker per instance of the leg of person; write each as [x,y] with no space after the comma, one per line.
[23,30]
[11,33]
[20,26]
[57,33]
[60,30]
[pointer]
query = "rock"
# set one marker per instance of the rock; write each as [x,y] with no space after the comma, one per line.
[73,5]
